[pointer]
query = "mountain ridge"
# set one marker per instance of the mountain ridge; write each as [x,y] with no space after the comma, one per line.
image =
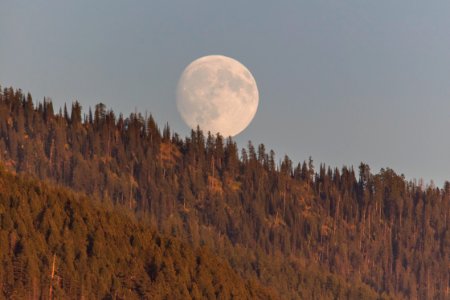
[378,229]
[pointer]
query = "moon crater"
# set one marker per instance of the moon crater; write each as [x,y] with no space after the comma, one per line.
[218,94]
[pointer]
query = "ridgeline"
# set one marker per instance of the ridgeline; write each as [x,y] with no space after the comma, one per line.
[100,206]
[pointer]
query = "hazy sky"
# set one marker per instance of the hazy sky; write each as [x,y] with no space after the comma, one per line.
[342,81]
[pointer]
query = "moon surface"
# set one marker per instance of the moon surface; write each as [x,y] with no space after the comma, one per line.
[218,94]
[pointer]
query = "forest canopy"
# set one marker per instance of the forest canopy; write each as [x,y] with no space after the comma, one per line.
[298,230]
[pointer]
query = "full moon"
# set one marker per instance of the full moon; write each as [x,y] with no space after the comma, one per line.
[218,94]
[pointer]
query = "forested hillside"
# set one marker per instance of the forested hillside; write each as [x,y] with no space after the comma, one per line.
[59,242]
[300,231]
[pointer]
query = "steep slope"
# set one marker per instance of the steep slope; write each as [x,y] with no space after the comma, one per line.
[276,223]
[99,252]
[56,241]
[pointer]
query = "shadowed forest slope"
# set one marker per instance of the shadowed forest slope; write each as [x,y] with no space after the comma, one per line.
[53,240]
[96,252]
[381,233]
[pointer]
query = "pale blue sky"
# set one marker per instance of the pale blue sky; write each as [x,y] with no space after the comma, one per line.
[342,81]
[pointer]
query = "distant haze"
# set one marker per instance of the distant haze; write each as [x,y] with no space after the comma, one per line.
[341,81]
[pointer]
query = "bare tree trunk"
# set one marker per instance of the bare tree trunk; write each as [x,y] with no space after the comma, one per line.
[51,279]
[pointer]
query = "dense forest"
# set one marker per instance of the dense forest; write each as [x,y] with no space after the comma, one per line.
[274,229]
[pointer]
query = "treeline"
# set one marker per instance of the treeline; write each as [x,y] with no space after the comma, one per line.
[378,229]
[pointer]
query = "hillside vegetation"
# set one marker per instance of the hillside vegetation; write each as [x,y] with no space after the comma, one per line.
[97,252]
[60,242]
[296,230]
